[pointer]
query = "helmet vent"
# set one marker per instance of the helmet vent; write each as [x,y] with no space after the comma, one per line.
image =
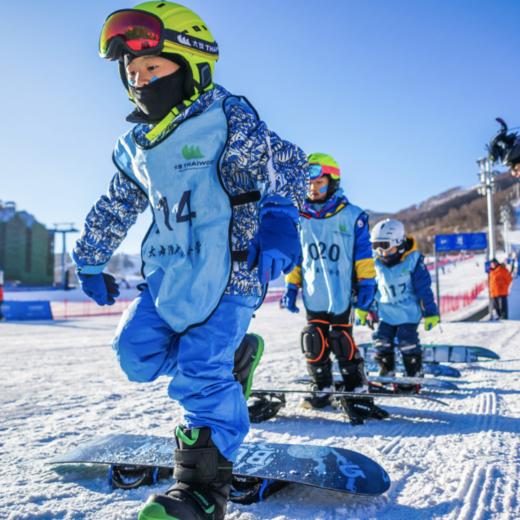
[162,4]
[196,28]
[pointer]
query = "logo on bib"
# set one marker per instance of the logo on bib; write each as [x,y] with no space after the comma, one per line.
[194,159]
[342,230]
[191,152]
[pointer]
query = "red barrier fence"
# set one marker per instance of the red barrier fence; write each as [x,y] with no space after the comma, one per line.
[444,261]
[274,295]
[62,310]
[453,303]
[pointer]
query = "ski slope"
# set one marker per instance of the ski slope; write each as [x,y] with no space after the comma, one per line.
[61,385]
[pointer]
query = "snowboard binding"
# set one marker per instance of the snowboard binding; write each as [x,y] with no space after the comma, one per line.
[131,477]
[359,409]
[248,490]
[265,406]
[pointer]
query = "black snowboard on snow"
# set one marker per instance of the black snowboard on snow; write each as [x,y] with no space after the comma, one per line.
[323,467]
[376,390]
[423,382]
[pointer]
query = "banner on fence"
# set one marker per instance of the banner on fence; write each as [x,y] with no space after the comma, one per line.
[31,310]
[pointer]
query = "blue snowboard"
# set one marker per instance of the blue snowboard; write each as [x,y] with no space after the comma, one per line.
[445,353]
[436,369]
[432,369]
[423,382]
[457,354]
[323,467]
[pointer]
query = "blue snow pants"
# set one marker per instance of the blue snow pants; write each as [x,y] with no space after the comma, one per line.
[404,336]
[199,361]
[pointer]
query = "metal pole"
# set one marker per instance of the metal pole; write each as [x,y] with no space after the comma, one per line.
[486,180]
[59,229]
[63,252]
[437,287]
[490,208]
[505,218]
[506,236]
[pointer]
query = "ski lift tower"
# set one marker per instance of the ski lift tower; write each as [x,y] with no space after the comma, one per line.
[64,228]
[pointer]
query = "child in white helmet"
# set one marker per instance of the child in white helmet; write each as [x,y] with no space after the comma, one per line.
[404,296]
[337,264]
[224,192]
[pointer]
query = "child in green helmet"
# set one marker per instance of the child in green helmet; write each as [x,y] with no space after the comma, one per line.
[224,193]
[336,275]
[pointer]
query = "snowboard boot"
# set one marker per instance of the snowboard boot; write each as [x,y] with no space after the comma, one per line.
[321,375]
[353,375]
[317,398]
[413,368]
[203,481]
[413,365]
[247,358]
[386,362]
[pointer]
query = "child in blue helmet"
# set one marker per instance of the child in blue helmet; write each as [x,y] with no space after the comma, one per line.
[336,275]
[404,296]
[224,193]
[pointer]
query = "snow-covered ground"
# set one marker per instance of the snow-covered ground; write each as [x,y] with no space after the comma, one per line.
[61,386]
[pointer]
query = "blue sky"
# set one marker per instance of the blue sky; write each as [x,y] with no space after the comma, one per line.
[402,93]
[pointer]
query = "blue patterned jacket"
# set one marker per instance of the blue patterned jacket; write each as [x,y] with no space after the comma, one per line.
[254,159]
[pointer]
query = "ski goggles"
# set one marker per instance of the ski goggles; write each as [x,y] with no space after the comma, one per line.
[382,247]
[316,171]
[142,33]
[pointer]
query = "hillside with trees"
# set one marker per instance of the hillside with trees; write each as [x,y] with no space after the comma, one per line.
[457,210]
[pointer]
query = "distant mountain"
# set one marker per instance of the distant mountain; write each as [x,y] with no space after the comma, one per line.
[457,210]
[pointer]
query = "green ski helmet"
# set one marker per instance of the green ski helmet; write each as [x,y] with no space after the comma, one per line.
[321,164]
[154,28]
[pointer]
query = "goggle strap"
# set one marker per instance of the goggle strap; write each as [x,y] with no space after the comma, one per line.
[191,42]
[330,170]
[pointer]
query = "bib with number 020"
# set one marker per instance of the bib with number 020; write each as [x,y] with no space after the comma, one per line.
[328,260]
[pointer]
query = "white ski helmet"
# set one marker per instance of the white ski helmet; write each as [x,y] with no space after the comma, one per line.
[386,234]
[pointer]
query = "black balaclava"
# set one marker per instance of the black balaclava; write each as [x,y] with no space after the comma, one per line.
[156,99]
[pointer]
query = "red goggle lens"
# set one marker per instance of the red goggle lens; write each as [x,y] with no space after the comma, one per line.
[139,31]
